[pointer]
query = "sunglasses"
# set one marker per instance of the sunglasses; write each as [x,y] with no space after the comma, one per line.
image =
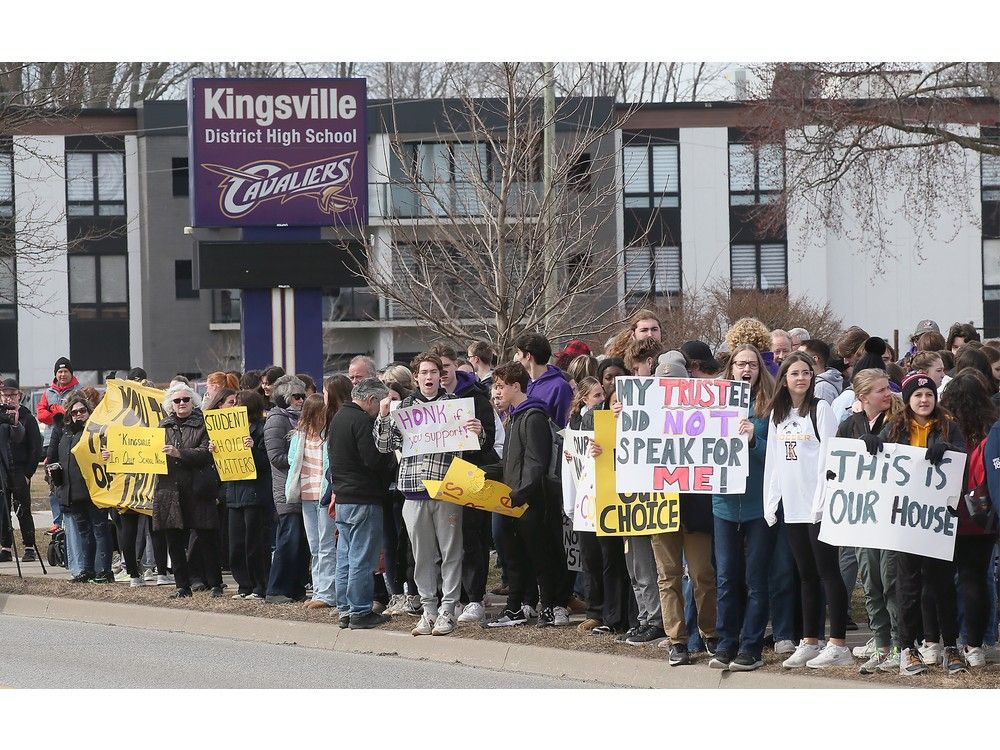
[183,400]
[79,412]
[298,395]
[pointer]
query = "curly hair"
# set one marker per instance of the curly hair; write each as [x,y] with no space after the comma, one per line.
[749,331]
[967,397]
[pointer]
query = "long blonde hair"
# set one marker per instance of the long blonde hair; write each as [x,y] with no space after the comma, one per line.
[865,381]
[582,388]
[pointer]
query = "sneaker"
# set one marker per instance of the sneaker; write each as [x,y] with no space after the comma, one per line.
[199,586]
[182,594]
[678,655]
[891,663]
[252,595]
[164,580]
[745,663]
[278,599]
[238,595]
[425,626]
[370,620]
[952,661]
[874,663]
[136,583]
[546,618]
[344,622]
[648,634]
[711,646]
[116,562]
[602,630]
[29,555]
[444,624]
[122,576]
[6,555]
[560,616]
[216,592]
[397,604]
[473,612]
[910,662]
[149,575]
[832,656]
[930,653]
[803,653]
[84,577]
[622,637]
[414,607]
[721,660]
[377,606]
[784,647]
[529,611]
[105,576]
[975,656]
[863,652]
[508,619]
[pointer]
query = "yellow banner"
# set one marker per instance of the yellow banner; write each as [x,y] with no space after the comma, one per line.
[128,404]
[627,513]
[136,450]
[229,429]
[466,484]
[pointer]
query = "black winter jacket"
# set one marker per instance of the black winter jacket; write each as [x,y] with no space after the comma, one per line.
[186,496]
[29,451]
[73,494]
[526,453]
[359,474]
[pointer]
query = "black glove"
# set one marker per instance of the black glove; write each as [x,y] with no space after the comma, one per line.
[936,452]
[873,443]
[831,474]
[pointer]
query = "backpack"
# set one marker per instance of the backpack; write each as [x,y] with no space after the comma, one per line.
[56,553]
[977,494]
[553,474]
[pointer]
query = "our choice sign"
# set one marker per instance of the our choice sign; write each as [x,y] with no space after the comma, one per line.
[681,435]
[278,152]
[894,500]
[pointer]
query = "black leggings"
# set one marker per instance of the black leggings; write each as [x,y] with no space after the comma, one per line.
[127,524]
[818,562]
[915,575]
[972,559]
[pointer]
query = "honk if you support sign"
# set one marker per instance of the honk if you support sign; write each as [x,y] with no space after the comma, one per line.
[436,427]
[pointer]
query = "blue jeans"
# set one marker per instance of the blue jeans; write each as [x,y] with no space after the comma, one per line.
[57,514]
[91,546]
[74,546]
[290,563]
[742,559]
[320,533]
[781,586]
[360,528]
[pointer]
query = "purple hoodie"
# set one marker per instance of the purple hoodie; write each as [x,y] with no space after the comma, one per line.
[769,363]
[529,403]
[556,394]
[463,381]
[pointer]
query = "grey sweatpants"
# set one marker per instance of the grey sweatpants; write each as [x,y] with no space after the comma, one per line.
[435,528]
[878,576]
[641,567]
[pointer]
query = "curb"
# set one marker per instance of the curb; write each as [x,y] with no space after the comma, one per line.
[613,671]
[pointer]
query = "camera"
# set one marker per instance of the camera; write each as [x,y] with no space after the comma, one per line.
[7,413]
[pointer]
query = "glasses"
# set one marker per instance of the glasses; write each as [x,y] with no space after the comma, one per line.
[299,396]
[79,412]
[752,365]
[183,400]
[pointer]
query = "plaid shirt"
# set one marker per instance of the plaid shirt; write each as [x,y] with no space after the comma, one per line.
[413,470]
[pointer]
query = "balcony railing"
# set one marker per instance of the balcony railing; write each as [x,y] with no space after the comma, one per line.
[461,199]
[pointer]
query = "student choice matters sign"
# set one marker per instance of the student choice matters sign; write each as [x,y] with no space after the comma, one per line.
[278,152]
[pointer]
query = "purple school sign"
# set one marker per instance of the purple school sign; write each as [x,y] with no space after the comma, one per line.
[278,152]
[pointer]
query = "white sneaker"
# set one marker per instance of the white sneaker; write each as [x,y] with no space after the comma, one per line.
[122,576]
[135,583]
[149,575]
[473,612]
[863,652]
[975,656]
[560,616]
[803,653]
[784,647]
[832,656]
[396,604]
[425,626]
[165,580]
[444,624]
[529,611]
[930,653]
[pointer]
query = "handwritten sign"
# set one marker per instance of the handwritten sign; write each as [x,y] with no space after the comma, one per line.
[228,429]
[580,480]
[466,484]
[128,404]
[436,427]
[136,449]
[894,500]
[682,435]
[627,513]
[571,543]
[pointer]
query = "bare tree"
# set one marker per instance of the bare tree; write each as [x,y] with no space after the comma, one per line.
[644,81]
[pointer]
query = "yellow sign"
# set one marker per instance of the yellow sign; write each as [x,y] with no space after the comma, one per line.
[466,484]
[627,513]
[127,404]
[229,429]
[137,450]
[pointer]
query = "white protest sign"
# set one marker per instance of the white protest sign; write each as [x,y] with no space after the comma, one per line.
[582,480]
[681,435]
[571,543]
[895,500]
[436,427]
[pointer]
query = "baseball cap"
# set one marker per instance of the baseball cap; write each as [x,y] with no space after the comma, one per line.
[699,350]
[926,326]
[574,348]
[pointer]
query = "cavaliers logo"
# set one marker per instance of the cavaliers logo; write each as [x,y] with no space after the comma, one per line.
[327,181]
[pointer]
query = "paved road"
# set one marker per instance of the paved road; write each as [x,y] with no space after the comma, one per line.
[39,653]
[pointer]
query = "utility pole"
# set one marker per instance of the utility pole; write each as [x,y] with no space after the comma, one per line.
[551,295]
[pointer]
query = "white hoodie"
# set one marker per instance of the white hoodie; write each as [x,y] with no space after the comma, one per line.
[795,465]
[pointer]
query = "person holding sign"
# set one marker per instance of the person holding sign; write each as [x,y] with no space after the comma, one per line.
[924,423]
[435,527]
[799,425]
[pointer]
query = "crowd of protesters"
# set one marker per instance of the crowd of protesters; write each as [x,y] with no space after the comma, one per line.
[338,519]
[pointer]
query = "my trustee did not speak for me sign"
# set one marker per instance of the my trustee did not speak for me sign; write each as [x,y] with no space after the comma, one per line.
[681,435]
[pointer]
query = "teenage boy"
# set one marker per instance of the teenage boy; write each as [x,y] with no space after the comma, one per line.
[829,382]
[535,539]
[533,352]
[481,357]
[434,527]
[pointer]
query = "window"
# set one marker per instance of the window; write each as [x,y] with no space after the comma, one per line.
[652,271]
[756,173]
[8,287]
[95,183]
[990,178]
[183,280]
[226,306]
[98,286]
[179,176]
[6,185]
[579,174]
[652,176]
[762,266]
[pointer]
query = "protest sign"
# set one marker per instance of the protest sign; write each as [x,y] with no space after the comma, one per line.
[128,404]
[895,500]
[571,542]
[228,429]
[682,435]
[138,450]
[580,476]
[466,484]
[436,427]
[627,513]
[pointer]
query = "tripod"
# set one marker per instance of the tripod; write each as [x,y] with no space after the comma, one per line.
[6,505]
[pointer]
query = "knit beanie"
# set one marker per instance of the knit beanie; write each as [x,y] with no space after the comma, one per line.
[915,381]
[60,363]
[671,365]
[872,358]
